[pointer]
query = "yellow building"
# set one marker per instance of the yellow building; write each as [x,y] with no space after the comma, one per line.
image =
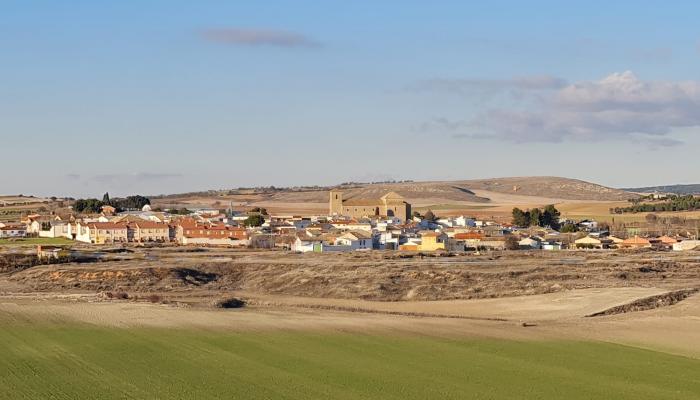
[430,241]
[389,205]
[102,232]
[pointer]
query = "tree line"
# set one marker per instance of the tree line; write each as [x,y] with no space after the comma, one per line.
[673,203]
[94,206]
[549,216]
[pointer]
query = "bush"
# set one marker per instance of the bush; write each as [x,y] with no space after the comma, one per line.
[254,220]
[512,243]
[232,302]
[154,298]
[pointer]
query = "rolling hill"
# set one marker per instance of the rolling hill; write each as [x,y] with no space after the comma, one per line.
[477,193]
[466,191]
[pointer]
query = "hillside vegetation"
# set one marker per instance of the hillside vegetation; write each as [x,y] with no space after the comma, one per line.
[675,189]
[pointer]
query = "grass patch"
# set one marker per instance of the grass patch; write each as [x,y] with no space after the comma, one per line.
[81,362]
[36,242]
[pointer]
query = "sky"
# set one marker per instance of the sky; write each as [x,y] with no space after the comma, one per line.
[152,97]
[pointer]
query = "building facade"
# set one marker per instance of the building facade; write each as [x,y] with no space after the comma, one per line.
[389,205]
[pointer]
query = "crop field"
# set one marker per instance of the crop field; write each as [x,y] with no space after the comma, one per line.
[69,361]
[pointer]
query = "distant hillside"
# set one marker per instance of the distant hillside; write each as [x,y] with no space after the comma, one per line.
[676,189]
[549,186]
[482,191]
[463,191]
[445,191]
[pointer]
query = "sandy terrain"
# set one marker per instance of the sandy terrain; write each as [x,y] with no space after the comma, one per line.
[674,329]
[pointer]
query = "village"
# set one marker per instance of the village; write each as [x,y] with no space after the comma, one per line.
[354,224]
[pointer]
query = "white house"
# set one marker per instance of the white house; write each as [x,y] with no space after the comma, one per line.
[388,240]
[531,243]
[303,245]
[58,229]
[551,245]
[357,240]
[686,245]
[9,231]
[464,221]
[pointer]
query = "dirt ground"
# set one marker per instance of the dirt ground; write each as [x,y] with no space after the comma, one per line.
[515,295]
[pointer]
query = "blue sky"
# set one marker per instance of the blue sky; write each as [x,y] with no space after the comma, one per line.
[171,96]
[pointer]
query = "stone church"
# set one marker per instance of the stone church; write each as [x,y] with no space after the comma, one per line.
[389,205]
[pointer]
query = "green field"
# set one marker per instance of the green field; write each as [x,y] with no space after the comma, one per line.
[86,362]
[36,241]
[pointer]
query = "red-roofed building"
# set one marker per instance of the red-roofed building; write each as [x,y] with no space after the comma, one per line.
[210,234]
[149,231]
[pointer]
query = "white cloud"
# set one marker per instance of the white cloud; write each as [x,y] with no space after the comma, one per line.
[618,106]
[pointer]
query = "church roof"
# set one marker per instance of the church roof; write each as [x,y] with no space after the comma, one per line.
[362,202]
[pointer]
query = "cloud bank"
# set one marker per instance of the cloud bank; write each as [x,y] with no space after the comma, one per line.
[619,106]
[258,37]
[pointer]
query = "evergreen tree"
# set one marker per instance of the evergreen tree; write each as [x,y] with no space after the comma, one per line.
[521,218]
[535,217]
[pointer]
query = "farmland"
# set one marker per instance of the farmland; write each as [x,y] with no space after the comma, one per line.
[67,361]
[35,242]
[143,322]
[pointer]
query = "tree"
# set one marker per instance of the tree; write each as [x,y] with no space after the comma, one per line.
[429,216]
[254,220]
[181,211]
[550,217]
[521,218]
[511,243]
[569,228]
[259,210]
[131,203]
[651,218]
[105,198]
[88,206]
[535,217]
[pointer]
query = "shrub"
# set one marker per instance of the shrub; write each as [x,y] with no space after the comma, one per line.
[232,302]
[154,298]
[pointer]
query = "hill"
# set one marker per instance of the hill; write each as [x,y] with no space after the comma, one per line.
[479,193]
[675,189]
[473,190]
[549,187]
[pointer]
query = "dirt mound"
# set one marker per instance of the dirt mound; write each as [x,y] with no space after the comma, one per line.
[370,276]
[649,303]
[17,262]
[112,279]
